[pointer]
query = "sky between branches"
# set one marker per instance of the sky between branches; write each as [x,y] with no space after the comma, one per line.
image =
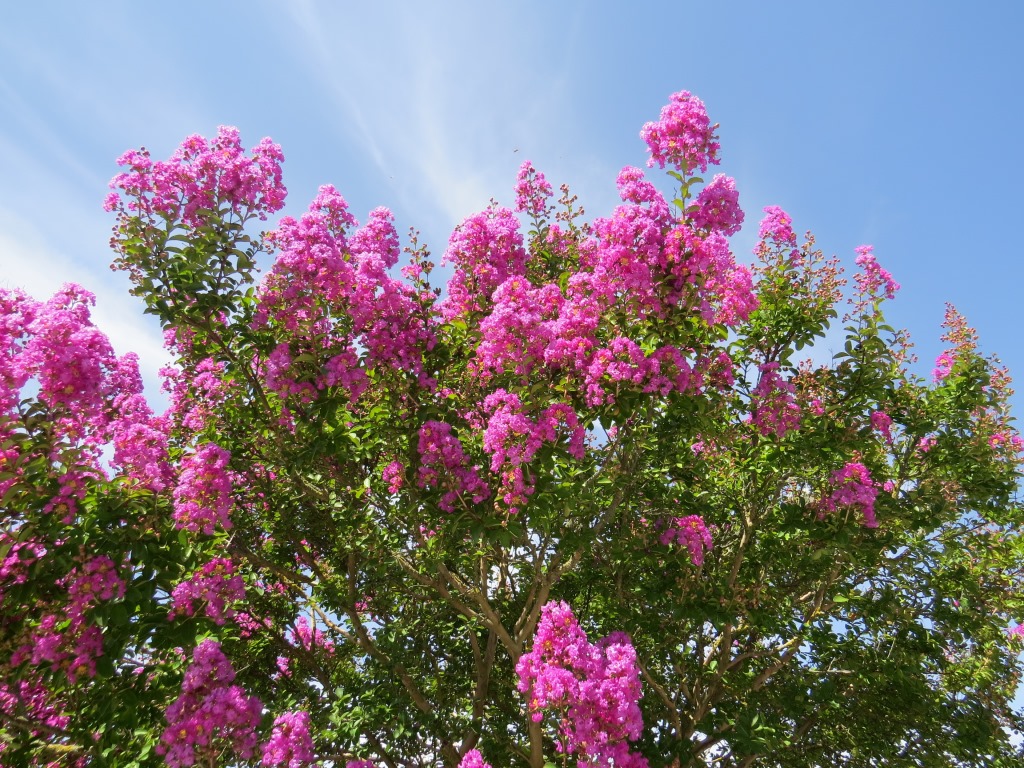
[871,122]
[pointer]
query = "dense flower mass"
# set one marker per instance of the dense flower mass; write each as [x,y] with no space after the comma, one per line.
[444,465]
[202,498]
[718,206]
[211,715]
[593,688]
[290,744]
[684,136]
[198,178]
[774,409]
[215,588]
[778,226]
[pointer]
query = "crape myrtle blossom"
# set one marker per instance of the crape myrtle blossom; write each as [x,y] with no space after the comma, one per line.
[210,715]
[683,137]
[71,641]
[331,294]
[512,439]
[774,409]
[472,759]
[290,744]
[778,226]
[593,689]
[444,465]
[202,498]
[690,532]
[873,280]
[215,587]
[198,178]
[532,191]
[852,488]
[718,206]
[486,250]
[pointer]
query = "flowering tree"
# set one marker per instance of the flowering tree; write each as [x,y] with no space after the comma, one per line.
[612,500]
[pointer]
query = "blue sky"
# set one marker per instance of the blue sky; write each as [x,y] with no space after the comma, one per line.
[896,124]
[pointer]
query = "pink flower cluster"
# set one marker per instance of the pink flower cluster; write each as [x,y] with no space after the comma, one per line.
[310,637]
[195,395]
[594,689]
[684,136]
[215,587]
[852,488]
[394,475]
[202,498]
[290,744]
[20,555]
[532,191]
[444,465]
[473,759]
[70,641]
[201,176]
[330,296]
[943,367]
[718,206]
[873,281]
[95,398]
[211,714]
[486,250]
[881,422]
[774,409]
[689,532]
[32,702]
[778,226]
[704,277]
[512,439]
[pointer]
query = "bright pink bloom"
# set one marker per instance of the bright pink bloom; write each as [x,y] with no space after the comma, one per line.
[774,410]
[873,281]
[532,191]
[444,465]
[211,714]
[852,487]
[718,206]
[394,476]
[473,759]
[778,226]
[881,422]
[689,532]
[290,744]
[486,250]
[683,137]
[202,499]
[215,587]
[199,177]
[594,689]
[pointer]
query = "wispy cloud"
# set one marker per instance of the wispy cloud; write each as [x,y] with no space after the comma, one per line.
[447,136]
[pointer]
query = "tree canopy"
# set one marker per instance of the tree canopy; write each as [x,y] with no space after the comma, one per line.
[611,498]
